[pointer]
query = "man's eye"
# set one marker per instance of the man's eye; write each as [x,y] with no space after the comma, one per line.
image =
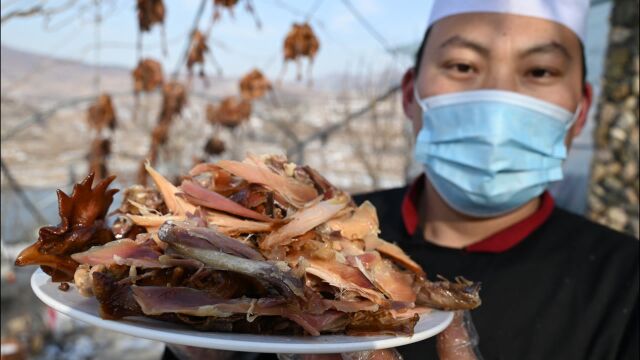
[463,68]
[540,73]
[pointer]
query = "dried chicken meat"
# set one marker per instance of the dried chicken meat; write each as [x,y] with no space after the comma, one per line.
[214,146]
[138,200]
[259,246]
[160,134]
[225,3]
[196,52]
[174,97]
[82,225]
[230,5]
[100,149]
[101,114]
[231,112]
[300,42]
[254,85]
[147,76]
[150,12]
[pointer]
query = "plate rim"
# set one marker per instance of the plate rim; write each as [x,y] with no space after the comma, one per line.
[40,278]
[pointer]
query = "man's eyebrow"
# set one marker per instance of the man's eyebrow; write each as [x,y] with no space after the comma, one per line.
[550,47]
[460,41]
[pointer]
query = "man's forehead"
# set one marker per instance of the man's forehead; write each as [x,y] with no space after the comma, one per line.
[488,28]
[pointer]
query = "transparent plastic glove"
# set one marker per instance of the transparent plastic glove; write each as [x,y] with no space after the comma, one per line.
[386,354]
[184,352]
[460,340]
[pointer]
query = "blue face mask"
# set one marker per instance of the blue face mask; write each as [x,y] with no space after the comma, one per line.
[488,152]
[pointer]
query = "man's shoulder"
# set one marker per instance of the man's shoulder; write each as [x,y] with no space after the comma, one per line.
[581,229]
[603,265]
[592,251]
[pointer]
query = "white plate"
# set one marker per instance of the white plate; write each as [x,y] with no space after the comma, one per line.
[73,304]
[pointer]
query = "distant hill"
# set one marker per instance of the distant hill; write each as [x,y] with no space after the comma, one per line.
[21,62]
[34,77]
[29,76]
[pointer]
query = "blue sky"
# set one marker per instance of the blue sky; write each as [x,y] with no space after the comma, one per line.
[236,42]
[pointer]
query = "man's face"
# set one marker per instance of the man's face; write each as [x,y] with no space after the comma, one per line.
[522,54]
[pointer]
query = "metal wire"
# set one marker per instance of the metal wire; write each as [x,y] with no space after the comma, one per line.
[194,28]
[368,27]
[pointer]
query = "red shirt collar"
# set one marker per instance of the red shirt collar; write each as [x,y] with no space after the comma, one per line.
[496,243]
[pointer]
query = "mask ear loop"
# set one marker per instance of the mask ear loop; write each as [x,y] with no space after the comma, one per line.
[417,98]
[567,127]
[576,115]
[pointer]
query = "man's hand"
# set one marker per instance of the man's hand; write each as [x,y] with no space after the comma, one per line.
[184,352]
[459,341]
[386,354]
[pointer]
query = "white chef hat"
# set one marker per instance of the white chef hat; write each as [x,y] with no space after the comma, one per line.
[570,13]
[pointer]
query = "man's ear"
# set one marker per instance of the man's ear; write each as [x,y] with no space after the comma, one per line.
[409,104]
[585,104]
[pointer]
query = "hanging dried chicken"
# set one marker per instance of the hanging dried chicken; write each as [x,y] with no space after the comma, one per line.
[214,146]
[160,134]
[147,76]
[97,157]
[231,112]
[174,97]
[227,4]
[101,114]
[300,42]
[150,12]
[230,5]
[196,52]
[142,176]
[254,85]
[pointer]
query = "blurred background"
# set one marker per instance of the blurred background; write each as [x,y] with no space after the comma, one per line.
[104,84]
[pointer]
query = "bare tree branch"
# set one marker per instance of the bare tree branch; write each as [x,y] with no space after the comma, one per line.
[21,194]
[22,13]
[37,10]
[323,134]
[194,28]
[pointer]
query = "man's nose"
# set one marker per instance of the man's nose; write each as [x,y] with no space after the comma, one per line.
[501,78]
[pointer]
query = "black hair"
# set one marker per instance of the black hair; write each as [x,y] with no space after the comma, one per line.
[418,58]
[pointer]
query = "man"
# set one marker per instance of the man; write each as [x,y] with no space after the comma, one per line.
[496,96]
[483,98]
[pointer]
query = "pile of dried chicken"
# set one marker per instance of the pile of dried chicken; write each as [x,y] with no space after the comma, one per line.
[260,246]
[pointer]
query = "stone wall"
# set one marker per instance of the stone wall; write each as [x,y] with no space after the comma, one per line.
[614,189]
